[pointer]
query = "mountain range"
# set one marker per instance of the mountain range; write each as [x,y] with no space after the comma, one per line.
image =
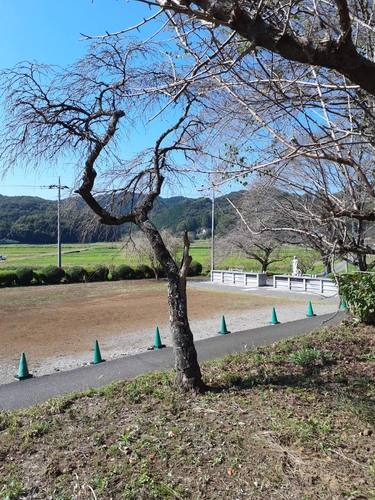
[33,220]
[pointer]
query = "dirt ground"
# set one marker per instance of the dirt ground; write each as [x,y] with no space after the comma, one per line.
[56,326]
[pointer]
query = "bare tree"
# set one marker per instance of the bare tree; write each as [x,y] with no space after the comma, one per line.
[256,212]
[332,237]
[337,35]
[84,112]
[140,245]
[306,132]
[261,248]
[263,107]
[309,128]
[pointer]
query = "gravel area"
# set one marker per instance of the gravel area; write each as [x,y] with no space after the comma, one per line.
[116,344]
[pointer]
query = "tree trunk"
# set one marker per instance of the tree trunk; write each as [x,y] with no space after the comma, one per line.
[327,264]
[188,374]
[362,264]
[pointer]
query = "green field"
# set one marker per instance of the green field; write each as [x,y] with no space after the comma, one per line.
[38,256]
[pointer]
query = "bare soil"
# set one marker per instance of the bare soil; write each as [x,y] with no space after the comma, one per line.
[56,326]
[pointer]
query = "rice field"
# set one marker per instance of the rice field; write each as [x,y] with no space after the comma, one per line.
[114,253]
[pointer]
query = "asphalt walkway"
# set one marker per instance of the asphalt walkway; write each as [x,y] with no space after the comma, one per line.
[20,394]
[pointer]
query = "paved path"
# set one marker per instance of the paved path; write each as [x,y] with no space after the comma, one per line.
[267,290]
[39,389]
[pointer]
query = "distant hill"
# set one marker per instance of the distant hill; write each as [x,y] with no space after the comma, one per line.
[194,214]
[33,220]
[27,219]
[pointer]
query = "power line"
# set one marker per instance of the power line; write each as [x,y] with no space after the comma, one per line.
[12,186]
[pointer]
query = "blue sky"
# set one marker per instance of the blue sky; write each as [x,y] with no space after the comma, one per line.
[49,31]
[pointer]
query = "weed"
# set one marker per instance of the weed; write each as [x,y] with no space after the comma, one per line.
[249,381]
[305,357]
[39,428]
[11,491]
[370,356]
[363,382]
[217,460]
[98,438]
[99,482]
[232,379]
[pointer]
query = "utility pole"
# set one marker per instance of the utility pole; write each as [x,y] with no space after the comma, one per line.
[212,199]
[59,187]
[213,231]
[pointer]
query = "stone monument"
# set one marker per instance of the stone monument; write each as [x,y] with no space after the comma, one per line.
[295,266]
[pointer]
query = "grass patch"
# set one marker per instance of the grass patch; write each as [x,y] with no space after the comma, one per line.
[291,420]
[112,254]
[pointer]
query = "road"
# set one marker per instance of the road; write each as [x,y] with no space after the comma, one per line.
[20,394]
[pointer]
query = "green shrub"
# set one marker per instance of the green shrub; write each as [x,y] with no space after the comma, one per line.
[52,275]
[98,273]
[76,274]
[38,278]
[24,275]
[195,268]
[142,271]
[7,278]
[102,272]
[358,290]
[123,272]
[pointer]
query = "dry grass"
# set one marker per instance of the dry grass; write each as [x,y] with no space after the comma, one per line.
[295,420]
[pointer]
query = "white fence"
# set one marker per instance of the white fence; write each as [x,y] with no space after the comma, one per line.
[311,284]
[233,277]
[323,286]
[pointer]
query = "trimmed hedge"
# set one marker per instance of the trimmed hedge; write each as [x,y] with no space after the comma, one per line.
[98,273]
[195,268]
[24,275]
[76,274]
[123,272]
[142,271]
[52,275]
[7,278]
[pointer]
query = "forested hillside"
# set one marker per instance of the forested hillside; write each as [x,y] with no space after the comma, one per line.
[27,219]
[195,215]
[30,219]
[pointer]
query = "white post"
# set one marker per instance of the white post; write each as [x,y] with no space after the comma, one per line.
[213,230]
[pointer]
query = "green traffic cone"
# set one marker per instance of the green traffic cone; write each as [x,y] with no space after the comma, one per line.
[23,371]
[97,355]
[223,330]
[310,311]
[157,344]
[274,318]
[343,304]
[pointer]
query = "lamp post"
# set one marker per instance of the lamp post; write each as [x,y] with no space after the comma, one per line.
[59,187]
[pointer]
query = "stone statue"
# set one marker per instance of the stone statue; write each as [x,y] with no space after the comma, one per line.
[295,266]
